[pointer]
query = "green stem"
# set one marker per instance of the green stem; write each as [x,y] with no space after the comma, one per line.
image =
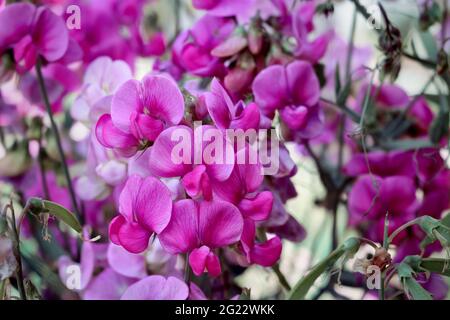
[403,227]
[57,138]
[17,253]
[187,270]
[281,277]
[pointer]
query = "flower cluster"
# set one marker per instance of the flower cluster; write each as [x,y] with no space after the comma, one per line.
[179,147]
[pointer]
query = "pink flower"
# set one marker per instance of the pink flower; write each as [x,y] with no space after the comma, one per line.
[145,207]
[101,79]
[139,113]
[197,167]
[371,197]
[381,163]
[107,285]
[226,114]
[32,31]
[198,229]
[295,94]
[242,10]
[157,288]
[192,49]
[241,189]
[302,26]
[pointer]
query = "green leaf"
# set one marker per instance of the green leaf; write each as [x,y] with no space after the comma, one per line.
[435,230]
[349,247]
[343,95]
[436,265]
[439,127]
[404,270]
[39,206]
[417,292]
[3,285]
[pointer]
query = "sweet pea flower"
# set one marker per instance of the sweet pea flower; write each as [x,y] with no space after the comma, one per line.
[157,288]
[197,167]
[102,78]
[32,31]
[241,189]
[191,50]
[295,95]
[226,114]
[140,111]
[107,285]
[381,163]
[198,229]
[86,266]
[302,25]
[145,207]
[371,197]
[242,10]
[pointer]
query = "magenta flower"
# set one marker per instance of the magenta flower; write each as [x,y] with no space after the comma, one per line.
[191,50]
[302,26]
[101,79]
[145,207]
[32,31]
[157,288]
[107,285]
[196,166]
[139,113]
[381,163]
[295,95]
[226,114]
[198,229]
[371,197]
[242,10]
[241,189]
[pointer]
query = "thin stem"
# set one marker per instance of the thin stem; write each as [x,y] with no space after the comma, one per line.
[19,272]
[187,270]
[42,169]
[57,138]
[281,277]
[403,227]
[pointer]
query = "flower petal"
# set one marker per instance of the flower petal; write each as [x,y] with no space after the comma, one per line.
[153,205]
[157,288]
[126,263]
[181,235]
[220,223]
[163,99]
[133,237]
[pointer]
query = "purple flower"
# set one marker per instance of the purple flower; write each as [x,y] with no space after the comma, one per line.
[227,114]
[302,26]
[371,197]
[139,113]
[198,229]
[157,288]
[381,163]
[295,94]
[145,207]
[196,166]
[32,31]
[192,49]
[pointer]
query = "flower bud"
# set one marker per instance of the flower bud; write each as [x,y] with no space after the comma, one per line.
[256,36]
